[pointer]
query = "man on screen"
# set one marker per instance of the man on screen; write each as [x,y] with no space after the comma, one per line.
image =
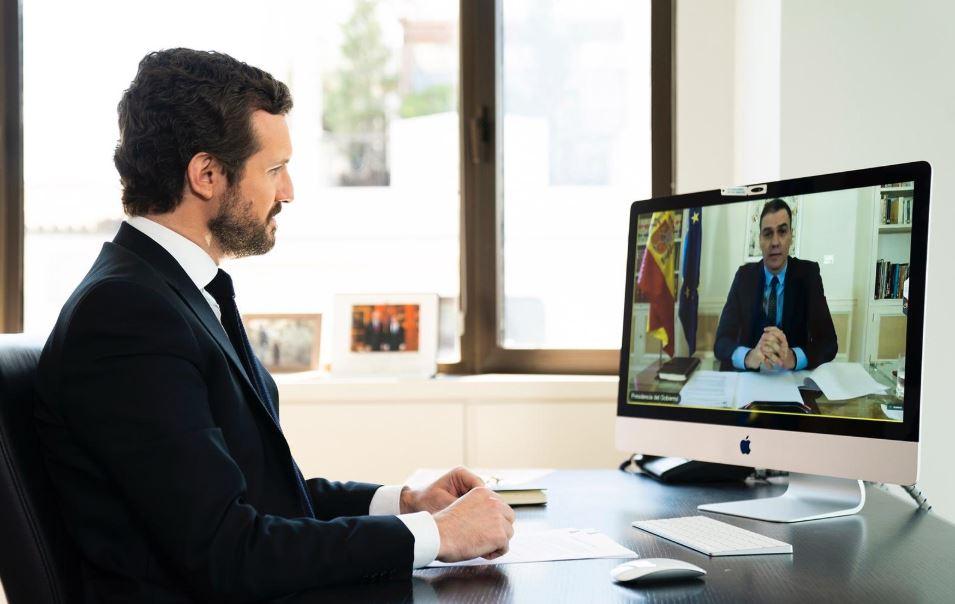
[776,316]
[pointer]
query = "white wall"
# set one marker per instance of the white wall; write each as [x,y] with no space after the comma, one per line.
[704,100]
[866,83]
[859,83]
[756,90]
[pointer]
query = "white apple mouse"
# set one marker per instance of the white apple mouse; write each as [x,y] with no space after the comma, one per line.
[646,570]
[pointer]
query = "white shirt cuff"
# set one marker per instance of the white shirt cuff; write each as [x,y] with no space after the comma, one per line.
[386,501]
[427,540]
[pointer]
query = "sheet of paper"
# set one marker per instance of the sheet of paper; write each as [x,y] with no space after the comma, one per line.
[766,386]
[710,389]
[494,477]
[841,381]
[556,544]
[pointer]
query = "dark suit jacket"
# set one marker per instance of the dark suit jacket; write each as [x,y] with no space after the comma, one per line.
[375,335]
[806,319]
[172,477]
[396,338]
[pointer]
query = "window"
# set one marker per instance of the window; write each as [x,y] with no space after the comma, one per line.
[518,224]
[575,90]
[582,93]
[375,137]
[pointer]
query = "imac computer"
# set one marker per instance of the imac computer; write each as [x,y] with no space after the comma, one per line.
[779,325]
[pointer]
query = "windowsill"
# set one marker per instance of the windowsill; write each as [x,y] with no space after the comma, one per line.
[313,386]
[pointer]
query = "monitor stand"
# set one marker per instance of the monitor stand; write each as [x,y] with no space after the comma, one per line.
[809,497]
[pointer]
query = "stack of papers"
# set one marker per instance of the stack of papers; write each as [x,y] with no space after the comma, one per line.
[840,381]
[766,387]
[556,544]
[734,390]
[710,389]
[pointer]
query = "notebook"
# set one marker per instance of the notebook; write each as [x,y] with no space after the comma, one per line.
[678,369]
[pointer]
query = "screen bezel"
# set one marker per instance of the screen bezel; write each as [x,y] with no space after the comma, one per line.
[907,430]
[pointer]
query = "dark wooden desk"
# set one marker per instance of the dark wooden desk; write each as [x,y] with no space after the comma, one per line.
[888,553]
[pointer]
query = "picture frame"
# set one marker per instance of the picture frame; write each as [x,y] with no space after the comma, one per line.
[386,335]
[752,253]
[285,343]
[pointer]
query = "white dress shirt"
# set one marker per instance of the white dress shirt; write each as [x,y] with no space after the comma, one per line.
[201,269]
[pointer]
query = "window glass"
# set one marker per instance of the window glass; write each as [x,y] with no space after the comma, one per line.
[374,131]
[575,87]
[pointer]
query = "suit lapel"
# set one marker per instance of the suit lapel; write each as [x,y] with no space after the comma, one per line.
[756,312]
[790,292]
[161,261]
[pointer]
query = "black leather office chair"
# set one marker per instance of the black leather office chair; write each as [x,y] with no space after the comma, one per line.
[38,562]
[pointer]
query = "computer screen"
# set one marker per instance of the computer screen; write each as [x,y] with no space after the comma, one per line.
[792,306]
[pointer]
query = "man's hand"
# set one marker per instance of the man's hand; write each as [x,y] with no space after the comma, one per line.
[772,351]
[754,358]
[775,349]
[478,524]
[441,493]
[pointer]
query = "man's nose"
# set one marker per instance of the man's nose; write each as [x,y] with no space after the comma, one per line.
[286,192]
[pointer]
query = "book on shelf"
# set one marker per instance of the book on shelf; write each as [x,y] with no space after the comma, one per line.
[896,210]
[890,279]
[678,369]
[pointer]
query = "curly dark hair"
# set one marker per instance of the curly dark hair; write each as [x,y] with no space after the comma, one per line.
[184,102]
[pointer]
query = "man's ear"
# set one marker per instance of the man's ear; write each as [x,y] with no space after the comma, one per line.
[204,175]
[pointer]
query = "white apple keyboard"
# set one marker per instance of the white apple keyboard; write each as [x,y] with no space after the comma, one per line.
[712,537]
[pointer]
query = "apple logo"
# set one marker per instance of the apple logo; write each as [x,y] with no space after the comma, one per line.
[744,445]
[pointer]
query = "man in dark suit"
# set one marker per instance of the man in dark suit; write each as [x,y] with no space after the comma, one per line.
[776,316]
[396,333]
[374,336]
[160,428]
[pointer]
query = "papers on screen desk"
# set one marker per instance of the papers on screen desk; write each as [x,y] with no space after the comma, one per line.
[552,545]
[710,389]
[733,390]
[840,381]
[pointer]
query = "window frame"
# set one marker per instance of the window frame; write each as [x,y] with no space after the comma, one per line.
[481,214]
[480,217]
[11,168]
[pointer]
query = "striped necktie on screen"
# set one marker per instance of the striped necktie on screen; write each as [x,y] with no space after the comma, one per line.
[771,305]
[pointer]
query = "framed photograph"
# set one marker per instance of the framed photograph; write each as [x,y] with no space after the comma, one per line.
[285,343]
[386,334]
[752,252]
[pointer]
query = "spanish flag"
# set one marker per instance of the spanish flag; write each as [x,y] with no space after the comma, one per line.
[656,279]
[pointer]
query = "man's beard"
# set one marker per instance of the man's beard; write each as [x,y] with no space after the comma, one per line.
[236,230]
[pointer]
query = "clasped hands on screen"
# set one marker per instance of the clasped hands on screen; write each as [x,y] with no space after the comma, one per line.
[772,351]
[472,519]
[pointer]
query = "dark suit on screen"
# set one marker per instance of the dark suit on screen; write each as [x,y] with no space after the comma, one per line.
[173,477]
[806,320]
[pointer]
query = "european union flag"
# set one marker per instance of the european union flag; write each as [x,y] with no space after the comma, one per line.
[690,273]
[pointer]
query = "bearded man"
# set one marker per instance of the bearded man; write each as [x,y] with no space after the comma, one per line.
[160,428]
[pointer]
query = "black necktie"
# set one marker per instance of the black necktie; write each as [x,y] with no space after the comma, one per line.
[223,292]
[771,305]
